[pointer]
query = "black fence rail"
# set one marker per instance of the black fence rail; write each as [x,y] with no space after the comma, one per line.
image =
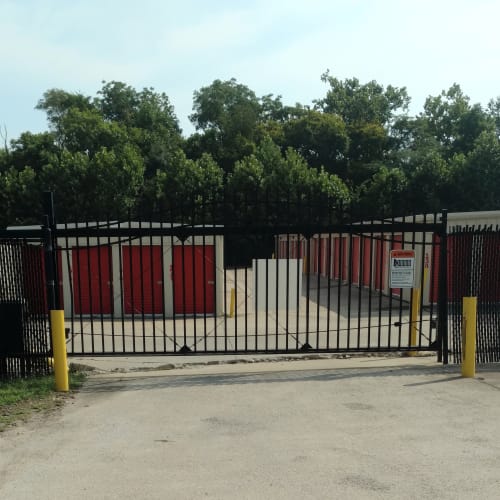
[474,271]
[241,276]
[24,331]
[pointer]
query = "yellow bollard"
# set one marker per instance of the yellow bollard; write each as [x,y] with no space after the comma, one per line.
[415,309]
[469,337]
[233,303]
[59,346]
[304,265]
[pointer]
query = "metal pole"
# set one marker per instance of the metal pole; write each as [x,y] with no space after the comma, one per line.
[49,265]
[469,337]
[443,290]
[59,348]
[414,314]
[48,209]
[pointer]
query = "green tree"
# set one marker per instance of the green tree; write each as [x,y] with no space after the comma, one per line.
[475,182]
[276,177]
[362,103]
[183,185]
[429,187]
[104,185]
[31,150]
[454,122]
[227,113]
[19,197]
[320,138]
[385,194]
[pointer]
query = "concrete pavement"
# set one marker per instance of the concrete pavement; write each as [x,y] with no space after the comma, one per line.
[381,428]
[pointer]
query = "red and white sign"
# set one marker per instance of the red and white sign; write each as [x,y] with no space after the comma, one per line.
[402,269]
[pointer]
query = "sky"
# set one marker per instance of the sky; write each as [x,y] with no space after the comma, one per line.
[279,47]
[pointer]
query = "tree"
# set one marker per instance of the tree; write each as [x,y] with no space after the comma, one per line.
[320,138]
[104,185]
[429,184]
[31,150]
[369,112]
[57,103]
[475,181]
[19,197]
[278,177]
[183,185]
[228,112]
[454,122]
[385,194]
[362,103]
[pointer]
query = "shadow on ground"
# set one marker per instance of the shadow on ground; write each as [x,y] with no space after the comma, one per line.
[135,383]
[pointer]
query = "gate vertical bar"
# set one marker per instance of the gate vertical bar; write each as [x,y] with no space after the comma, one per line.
[49,264]
[48,209]
[443,291]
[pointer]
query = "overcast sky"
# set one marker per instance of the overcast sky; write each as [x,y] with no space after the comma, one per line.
[273,46]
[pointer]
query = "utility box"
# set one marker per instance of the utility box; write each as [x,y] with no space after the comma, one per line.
[11,328]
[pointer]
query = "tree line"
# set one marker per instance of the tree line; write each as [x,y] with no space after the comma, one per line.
[357,145]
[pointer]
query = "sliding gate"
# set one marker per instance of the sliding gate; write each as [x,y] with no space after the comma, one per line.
[246,284]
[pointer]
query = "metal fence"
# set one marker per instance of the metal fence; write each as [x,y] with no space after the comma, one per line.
[242,276]
[474,270]
[24,332]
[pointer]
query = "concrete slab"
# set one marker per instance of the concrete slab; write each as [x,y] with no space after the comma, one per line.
[367,429]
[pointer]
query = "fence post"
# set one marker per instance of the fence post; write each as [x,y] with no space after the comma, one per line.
[469,318]
[443,291]
[49,264]
[48,209]
[58,339]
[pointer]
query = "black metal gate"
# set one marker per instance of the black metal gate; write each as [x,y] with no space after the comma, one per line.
[225,277]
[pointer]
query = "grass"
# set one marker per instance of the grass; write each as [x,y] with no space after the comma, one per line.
[21,398]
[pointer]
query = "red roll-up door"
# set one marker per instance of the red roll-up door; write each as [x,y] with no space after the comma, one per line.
[142,279]
[194,279]
[92,280]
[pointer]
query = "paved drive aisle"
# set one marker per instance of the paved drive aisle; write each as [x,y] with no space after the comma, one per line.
[373,428]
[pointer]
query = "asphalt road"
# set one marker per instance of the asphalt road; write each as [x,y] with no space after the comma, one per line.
[372,428]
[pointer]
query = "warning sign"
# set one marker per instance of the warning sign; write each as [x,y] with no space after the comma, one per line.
[402,269]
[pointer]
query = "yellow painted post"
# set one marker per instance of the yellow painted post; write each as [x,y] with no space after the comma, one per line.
[469,337]
[415,309]
[304,265]
[59,347]
[233,303]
